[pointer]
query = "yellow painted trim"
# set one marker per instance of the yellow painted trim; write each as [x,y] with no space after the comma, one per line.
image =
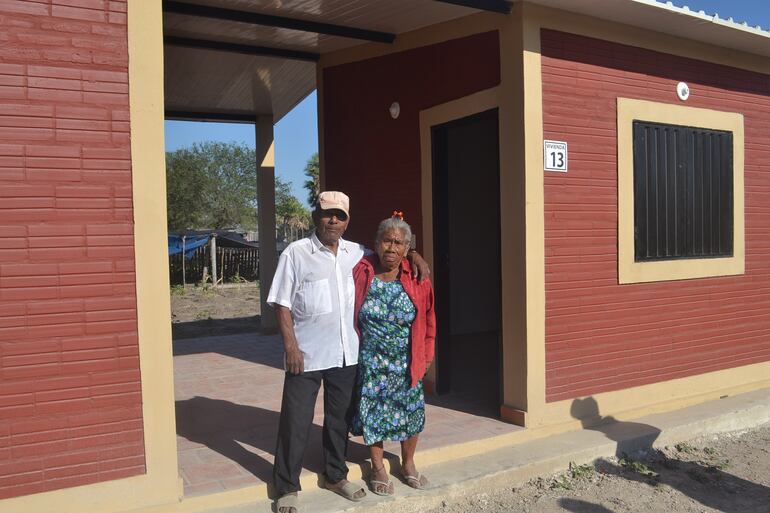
[513,223]
[630,271]
[665,396]
[535,218]
[161,484]
[269,160]
[145,38]
[454,29]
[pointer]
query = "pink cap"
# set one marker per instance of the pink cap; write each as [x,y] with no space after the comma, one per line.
[329,200]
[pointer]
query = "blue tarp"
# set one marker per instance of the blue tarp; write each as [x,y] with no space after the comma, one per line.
[191,243]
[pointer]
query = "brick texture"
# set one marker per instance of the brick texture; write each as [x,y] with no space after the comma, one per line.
[366,150]
[70,391]
[601,336]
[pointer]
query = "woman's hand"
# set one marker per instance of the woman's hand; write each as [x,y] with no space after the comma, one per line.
[420,266]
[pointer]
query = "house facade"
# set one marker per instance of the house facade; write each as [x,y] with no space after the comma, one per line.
[591,185]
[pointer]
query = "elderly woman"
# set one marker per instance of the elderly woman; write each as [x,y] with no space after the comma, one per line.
[396,323]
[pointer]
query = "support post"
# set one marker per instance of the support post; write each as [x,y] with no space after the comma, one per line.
[268,255]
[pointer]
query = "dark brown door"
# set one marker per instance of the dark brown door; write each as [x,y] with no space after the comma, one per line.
[466,228]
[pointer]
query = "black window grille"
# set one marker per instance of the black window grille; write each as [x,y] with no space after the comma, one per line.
[683,192]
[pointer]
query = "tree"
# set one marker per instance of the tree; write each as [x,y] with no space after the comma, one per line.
[313,182]
[186,185]
[292,218]
[212,185]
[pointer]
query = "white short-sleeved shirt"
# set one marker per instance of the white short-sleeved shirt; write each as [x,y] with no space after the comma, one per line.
[318,288]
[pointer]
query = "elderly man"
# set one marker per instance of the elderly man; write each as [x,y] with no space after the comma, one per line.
[313,295]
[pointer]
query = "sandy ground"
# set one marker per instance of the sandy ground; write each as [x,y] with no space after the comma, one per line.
[728,473]
[204,311]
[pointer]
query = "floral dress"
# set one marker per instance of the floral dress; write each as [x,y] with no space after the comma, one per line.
[389,408]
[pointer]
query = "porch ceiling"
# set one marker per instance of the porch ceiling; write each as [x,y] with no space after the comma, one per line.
[229,84]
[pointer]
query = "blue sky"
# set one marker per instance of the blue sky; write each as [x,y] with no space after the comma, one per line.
[296,139]
[296,135]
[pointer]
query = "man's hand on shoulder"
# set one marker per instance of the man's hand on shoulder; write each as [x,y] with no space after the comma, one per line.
[420,266]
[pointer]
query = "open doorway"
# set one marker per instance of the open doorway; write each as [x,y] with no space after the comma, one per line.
[466,238]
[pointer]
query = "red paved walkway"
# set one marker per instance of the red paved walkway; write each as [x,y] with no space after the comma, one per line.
[228,395]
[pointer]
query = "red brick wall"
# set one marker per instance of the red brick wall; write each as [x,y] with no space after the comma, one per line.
[601,336]
[70,403]
[376,159]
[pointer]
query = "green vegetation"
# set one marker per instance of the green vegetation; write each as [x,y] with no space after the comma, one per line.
[213,185]
[685,448]
[585,471]
[313,183]
[628,463]
[292,218]
[561,483]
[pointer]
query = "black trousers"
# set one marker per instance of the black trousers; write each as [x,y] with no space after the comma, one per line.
[299,395]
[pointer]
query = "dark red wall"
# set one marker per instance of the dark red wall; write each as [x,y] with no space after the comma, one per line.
[70,393]
[376,159]
[601,336]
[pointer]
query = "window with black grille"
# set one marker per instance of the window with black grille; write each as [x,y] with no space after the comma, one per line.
[683,192]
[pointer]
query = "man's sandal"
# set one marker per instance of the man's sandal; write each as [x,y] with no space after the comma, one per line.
[347,489]
[384,488]
[287,503]
[419,482]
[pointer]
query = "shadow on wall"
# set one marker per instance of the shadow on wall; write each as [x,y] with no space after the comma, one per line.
[705,483]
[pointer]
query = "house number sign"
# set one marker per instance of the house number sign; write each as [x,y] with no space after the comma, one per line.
[555,156]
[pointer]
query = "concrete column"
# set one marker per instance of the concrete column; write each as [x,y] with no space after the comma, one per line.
[268,255]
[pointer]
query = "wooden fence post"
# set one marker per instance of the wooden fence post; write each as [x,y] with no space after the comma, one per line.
[214,259]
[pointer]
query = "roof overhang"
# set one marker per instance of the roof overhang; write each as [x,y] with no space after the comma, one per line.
[670,19]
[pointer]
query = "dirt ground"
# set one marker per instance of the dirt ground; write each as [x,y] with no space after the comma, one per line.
[204,311]
[728,473]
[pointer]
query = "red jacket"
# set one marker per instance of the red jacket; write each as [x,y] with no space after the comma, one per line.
[422,337]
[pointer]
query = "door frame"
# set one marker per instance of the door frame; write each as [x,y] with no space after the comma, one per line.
[466,106]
